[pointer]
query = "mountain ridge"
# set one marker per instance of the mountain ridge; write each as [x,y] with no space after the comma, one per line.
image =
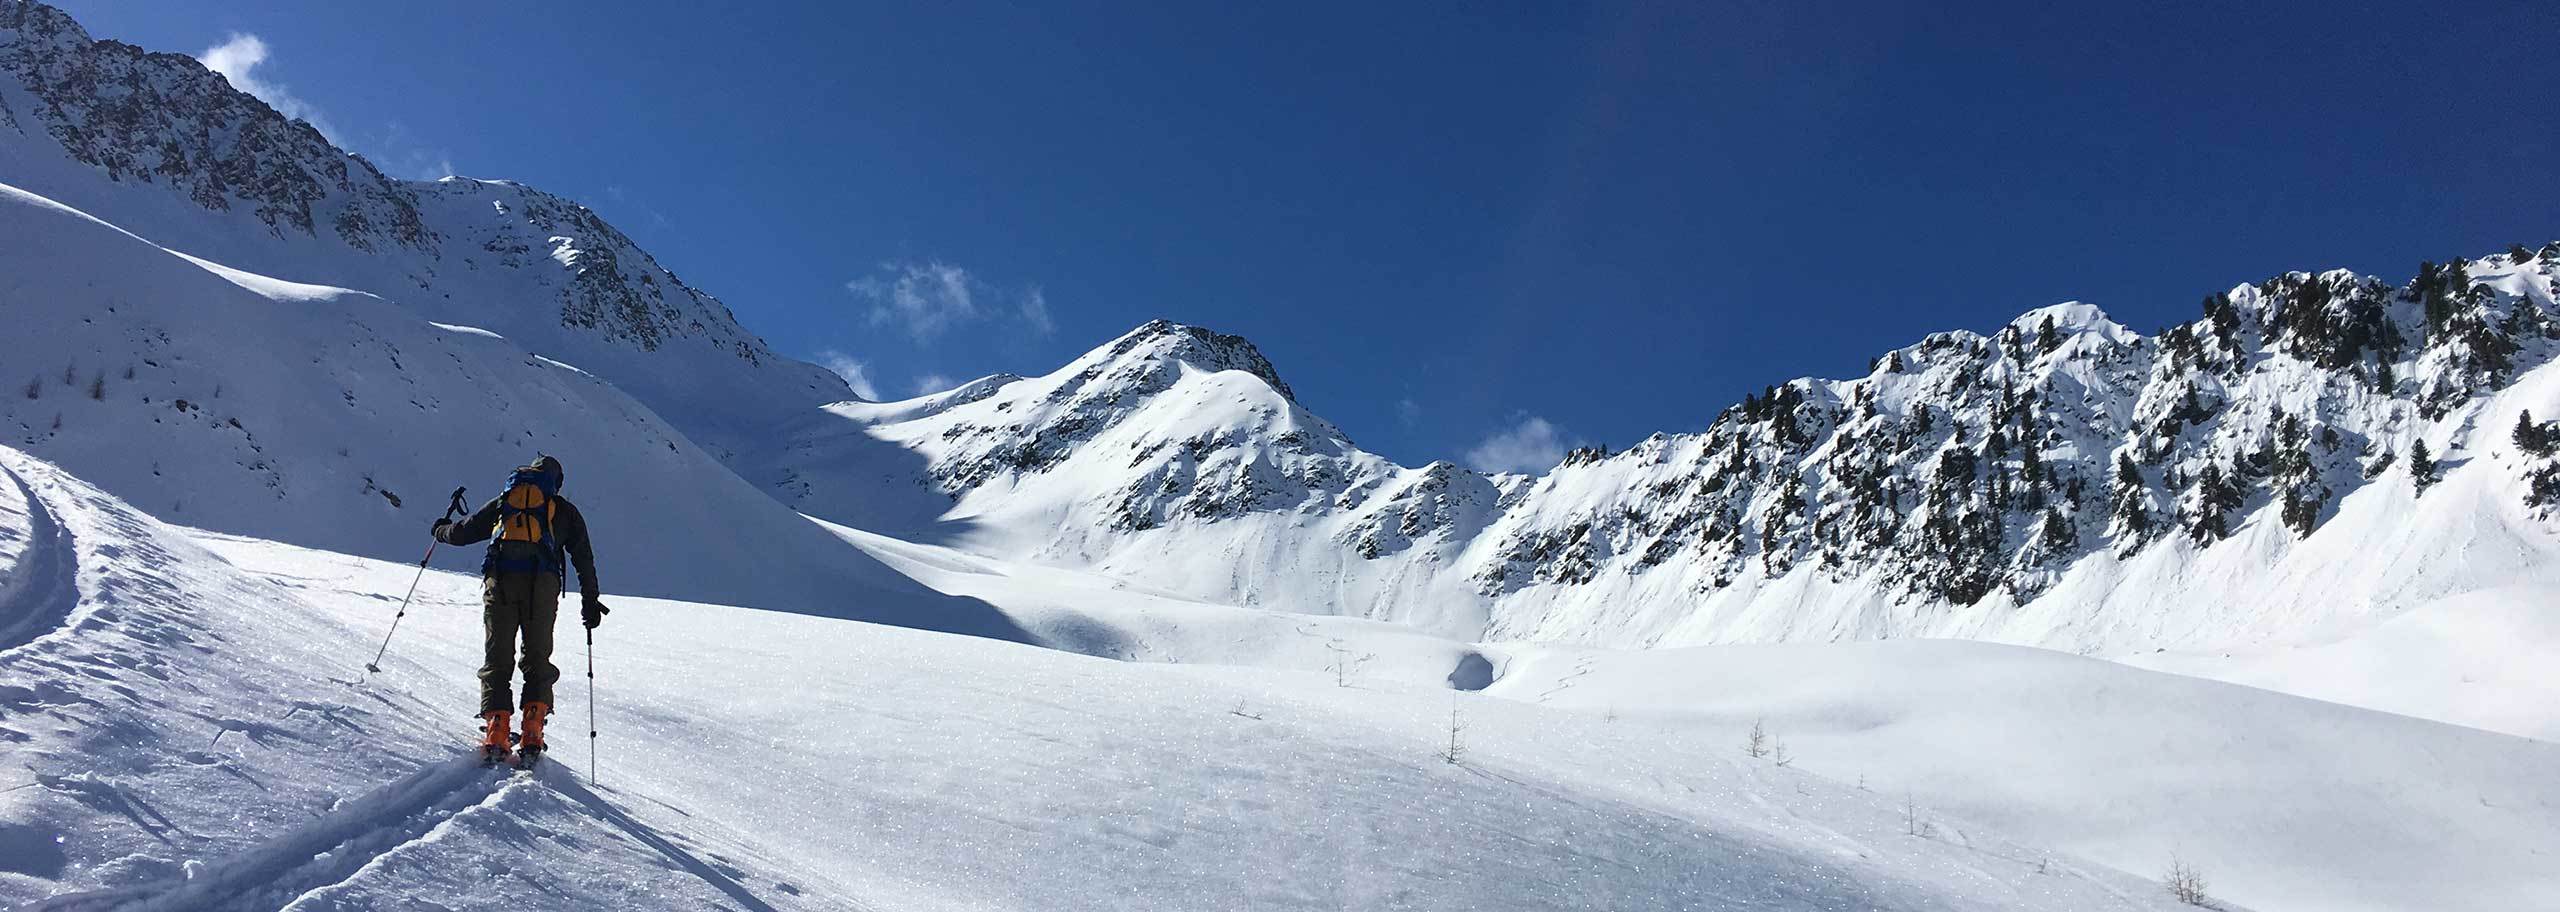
[1966,469]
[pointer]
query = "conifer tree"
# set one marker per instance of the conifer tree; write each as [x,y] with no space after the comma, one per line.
[2129,496]
[2046,337]
[2057,536]
[2422,466]
[2531,437]
[2301,511]
[2215,497]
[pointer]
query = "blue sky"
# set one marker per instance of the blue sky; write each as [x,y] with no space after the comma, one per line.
[1471,231]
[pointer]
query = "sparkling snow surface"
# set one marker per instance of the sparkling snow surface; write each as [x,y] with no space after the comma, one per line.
[198,733]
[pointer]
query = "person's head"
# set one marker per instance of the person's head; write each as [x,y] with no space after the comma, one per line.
[546,464]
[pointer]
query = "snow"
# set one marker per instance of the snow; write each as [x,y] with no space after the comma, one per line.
[341,419]
[265,286]
[2287,803]
[2481,659]
[2074,318]
[465,330]
[1193,472]
[764,760]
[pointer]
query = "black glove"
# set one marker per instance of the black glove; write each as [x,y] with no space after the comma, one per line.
[593,613]
[441,525]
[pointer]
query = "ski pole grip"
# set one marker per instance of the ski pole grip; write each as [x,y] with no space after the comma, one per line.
[456,506]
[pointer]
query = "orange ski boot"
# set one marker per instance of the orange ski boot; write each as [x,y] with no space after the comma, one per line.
[495,735]
[532,745]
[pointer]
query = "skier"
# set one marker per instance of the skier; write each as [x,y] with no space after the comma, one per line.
[533,528]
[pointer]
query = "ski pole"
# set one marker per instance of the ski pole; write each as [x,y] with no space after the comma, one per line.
[591,704]
[376,665]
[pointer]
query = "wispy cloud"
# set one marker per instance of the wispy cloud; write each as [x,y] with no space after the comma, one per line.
[1408,412]
[238,57]
[1530,444]
[856,374]
[932,383]
[627,203]
[929,298]
[1035,312]
[401,153]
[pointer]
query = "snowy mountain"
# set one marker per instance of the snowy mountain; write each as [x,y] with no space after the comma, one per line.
[158,143]
[235,401]
[2063,482]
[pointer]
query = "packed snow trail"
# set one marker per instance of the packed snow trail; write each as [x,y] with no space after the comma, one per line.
[359,854]
[36,590]
[317,854]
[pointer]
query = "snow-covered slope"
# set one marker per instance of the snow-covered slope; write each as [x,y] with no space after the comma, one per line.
[756,760]
[2064,482]
[159,144]
[2283,802]
[2481,659]
[1173,456]
[239,402]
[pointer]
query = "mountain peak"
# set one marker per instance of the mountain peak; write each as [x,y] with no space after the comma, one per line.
[1198,346]
[2071,318]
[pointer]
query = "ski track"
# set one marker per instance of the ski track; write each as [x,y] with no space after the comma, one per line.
[315,864]
[314,856]
[39,593]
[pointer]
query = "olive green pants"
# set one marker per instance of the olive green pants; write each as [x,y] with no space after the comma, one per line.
[513,603]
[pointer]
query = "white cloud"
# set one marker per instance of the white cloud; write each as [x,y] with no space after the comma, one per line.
[855,373]
[924,298]
[1408,411]
[932,383]
[237,58]
[1035,312]
[929,298]
[1530,445]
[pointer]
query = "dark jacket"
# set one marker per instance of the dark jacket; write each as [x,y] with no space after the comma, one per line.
[568,532]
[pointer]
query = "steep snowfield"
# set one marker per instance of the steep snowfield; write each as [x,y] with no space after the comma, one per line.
[239,402]
[2285,803]
[159,144]
[196,734]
